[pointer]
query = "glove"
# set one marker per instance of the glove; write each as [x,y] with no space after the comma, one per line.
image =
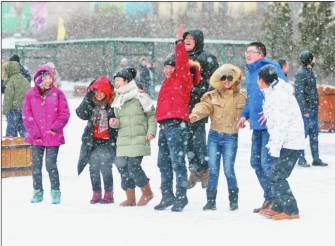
[89,95]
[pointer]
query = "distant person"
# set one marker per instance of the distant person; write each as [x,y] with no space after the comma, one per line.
[196,147]
[260,159]
[145,75]
[16,89]
[99,140]
[58,82]
[45,114]
[285,65]
[286,142]
[4,77]
[172,115]
[308,99]
[23,71]
[135,121]
[224,105]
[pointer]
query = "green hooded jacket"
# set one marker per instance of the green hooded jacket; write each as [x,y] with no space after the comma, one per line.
[17,86]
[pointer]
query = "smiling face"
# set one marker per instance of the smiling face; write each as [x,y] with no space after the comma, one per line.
[120,82]
[189,42]
[228,81]
[47,80]
[253,54]
[168,70]
[99,95]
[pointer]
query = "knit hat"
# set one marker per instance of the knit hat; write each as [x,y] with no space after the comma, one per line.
[103,84]
[41,70]
[127,73]
[306,57]
[15,58]
[170,60]
[51,64]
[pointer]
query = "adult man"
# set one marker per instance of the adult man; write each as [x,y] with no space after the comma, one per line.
[260,159]
[196,147]
[284,64]
[23,71]
[307,97]
[145,75]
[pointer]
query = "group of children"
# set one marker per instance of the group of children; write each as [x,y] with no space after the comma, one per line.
[121,122]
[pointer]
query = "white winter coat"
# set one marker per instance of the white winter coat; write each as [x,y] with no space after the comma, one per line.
[284,120]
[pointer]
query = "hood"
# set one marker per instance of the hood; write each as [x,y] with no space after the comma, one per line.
[3,71]
[12,68]
[306,57]
[199,42]
[38,77]
[104,85]
[195,71]
[226,69]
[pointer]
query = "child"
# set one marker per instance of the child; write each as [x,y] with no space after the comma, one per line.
[98,141]
[134,117]
[286,129]
[172,115]
[45,113]
[224,106]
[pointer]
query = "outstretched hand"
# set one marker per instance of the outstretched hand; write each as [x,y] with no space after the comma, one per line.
[180,32]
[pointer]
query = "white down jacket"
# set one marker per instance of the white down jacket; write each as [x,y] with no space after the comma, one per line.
[284,120]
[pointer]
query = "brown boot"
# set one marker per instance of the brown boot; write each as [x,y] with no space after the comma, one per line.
[193,179]
[204,177]
[268,212]
[131,201]
[266,205]
[284,216]
[147,195]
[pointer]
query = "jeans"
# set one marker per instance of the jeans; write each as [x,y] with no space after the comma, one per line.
[172,142]
[311,124]
[15,123]
[151,91]
[196,147]
[225,145]
[131,172]
[101,160]
[283,199]
[261,161]
[50,163]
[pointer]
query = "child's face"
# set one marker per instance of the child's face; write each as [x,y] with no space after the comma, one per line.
[168,70]
[120,82]
[228,81]
[99,95]
[47,80]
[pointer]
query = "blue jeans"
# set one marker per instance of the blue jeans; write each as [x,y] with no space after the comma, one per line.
[196,147]
[261,161]
[151,91]
[172,142]
[311,124]
[15,123]
[225,145]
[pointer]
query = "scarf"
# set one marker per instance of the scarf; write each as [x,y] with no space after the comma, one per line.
[128,92]
[99,115]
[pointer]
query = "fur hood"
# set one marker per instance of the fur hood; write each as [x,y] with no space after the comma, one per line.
[195,70]
[226,69]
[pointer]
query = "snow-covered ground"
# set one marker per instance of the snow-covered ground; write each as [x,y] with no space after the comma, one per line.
[76,222]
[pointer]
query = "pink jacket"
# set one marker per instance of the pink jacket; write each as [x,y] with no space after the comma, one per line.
[43,114]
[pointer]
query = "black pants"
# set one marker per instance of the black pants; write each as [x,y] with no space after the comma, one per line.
[131,172]
[51,154]
[101,161]
[283,199]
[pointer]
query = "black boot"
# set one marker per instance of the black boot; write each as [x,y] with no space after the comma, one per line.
[167,199]
[233,199]
[180,201]
[319,162]
[211,199]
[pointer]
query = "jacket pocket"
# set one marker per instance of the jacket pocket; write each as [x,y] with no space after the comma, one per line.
[218,110]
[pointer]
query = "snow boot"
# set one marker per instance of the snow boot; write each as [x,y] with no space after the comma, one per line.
[195,177]
[211,199]
[147,195]
[204,178]
[319,162]
[167,199]
[233,199]
[55,196]
[265,205]
[38,196]
[180,201]
[96,197]
[284,216]
[131,201]
[108,197]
